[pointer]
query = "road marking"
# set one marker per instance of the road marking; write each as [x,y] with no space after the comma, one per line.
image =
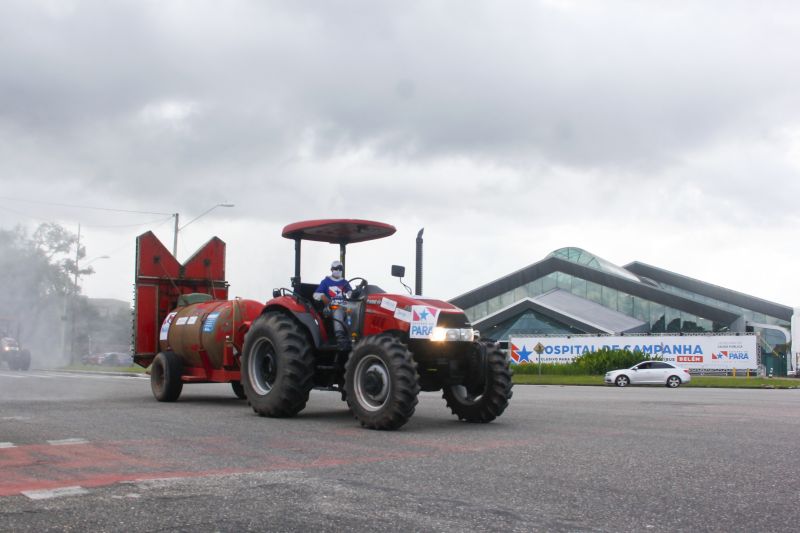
[4,418]
[7,445]
[67,442]
[46,374]
[54,493]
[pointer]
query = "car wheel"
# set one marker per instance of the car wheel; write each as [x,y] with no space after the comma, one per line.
[622,381]
[673,381]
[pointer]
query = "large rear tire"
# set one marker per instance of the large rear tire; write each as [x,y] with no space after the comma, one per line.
[165,377]
[381,382]
[277,366]
[485,399]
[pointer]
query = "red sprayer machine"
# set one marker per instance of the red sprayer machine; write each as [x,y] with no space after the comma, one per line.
[275,353]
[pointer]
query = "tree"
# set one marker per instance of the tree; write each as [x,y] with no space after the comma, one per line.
[37,274]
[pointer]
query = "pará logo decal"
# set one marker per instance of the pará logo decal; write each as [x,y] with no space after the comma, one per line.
[423,320]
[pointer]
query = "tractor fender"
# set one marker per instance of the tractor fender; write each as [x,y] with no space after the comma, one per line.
[300,313]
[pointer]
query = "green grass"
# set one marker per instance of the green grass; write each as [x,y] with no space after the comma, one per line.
[697,381]
[550,379]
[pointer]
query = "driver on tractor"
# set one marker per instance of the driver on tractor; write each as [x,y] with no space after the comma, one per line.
[332,292]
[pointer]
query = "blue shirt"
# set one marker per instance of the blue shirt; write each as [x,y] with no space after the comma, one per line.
[335,289]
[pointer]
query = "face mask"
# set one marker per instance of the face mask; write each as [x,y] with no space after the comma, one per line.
[336,274]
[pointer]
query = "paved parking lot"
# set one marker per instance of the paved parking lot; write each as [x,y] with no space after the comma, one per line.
[96,452]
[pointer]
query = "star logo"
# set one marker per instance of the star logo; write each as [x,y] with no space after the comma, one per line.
[425,314]
[524,354]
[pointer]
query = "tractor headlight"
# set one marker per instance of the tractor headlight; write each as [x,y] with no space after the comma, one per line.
[452,334]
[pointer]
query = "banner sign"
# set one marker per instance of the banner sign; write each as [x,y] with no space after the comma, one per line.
[723,352]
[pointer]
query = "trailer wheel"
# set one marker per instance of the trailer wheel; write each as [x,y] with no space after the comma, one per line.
[381,382]
[238,390]
[486,397]
[277,366]
[165,377]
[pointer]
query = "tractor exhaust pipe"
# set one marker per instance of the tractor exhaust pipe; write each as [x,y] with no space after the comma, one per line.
[418,282]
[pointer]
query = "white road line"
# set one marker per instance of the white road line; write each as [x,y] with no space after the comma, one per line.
[68,375]
[4,418]
[54,493]
[44,374]
[7,445]
[67,442]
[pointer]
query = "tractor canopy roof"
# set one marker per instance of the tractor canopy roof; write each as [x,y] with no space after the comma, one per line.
[338,230]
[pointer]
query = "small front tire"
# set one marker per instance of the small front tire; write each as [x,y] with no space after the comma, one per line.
[238,390]
[622,381]
[486,400]
[24,361]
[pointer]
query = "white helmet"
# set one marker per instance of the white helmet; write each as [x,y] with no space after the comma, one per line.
[336,269]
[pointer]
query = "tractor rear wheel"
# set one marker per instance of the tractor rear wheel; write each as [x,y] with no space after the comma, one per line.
[165,377]
[381,382]
[277,366]
[486,397]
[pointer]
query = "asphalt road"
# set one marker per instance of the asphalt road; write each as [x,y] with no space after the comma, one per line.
[98,453]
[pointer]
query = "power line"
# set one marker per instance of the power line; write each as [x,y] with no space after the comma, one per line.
[84,206]
[161,220]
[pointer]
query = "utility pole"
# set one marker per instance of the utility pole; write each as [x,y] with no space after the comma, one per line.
[74,298]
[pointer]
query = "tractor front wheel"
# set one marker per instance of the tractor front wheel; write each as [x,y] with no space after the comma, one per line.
[381,382]
[238,390]
[165,377]
[485,398]
[277,366]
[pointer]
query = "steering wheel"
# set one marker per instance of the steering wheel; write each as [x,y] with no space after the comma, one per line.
[358,291]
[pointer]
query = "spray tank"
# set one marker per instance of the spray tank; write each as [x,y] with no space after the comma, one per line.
[185,326]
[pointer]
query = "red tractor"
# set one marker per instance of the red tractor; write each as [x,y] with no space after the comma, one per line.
[399,345]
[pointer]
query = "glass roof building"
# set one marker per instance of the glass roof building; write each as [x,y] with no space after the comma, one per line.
[572,291]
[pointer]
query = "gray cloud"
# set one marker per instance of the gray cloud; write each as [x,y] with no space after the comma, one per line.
[446,112]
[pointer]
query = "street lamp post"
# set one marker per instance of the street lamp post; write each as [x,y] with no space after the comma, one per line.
[177,228]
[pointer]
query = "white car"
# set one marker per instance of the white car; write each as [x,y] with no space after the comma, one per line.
[649,373]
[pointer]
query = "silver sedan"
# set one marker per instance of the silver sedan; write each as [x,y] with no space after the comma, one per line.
[649,373]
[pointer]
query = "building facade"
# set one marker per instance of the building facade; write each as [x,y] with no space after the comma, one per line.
[572,291]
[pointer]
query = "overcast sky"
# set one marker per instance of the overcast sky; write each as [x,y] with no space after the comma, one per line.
[665,132]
